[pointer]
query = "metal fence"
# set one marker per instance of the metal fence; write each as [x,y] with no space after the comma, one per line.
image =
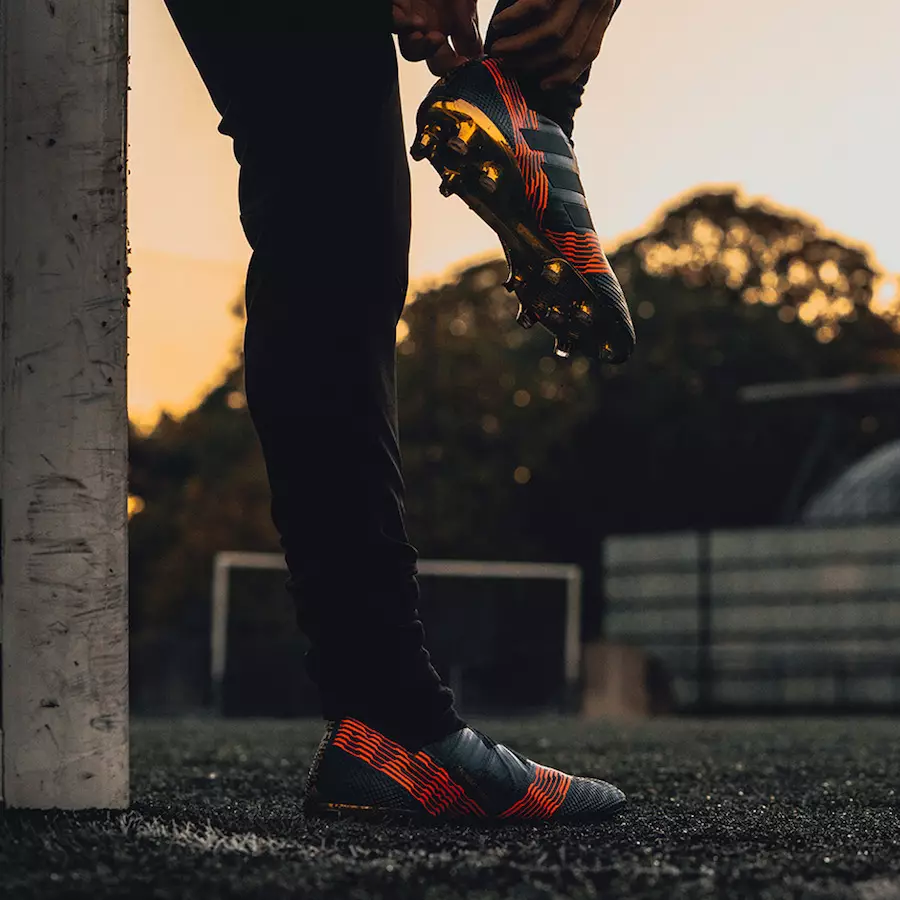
[774,619]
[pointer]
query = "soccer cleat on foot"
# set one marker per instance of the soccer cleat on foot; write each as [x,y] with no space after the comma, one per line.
[359,771]
[517,171]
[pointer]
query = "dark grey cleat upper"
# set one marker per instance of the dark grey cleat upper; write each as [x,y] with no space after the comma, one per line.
[464,775]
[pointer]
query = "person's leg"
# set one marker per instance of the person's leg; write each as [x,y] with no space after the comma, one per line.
[560,104]
[325,289]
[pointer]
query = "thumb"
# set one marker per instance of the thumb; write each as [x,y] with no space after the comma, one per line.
[464,29]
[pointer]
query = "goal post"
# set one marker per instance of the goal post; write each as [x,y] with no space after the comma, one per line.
[63,475]
[570,575]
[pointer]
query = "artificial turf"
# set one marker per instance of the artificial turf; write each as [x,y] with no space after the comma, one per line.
[768,809]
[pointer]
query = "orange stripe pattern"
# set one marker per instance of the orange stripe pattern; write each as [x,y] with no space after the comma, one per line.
[582,250]
[530,162]
[417,772]
[544,796]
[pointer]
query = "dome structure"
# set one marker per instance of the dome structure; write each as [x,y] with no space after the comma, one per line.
[869,491]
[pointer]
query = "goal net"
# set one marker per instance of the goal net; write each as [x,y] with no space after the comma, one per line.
[505,635]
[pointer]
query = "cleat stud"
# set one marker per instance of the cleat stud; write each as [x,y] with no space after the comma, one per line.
[514,283]
[489,177]
[563,347]
[465,132]
[553,271]
[526,317]
[555,316]
[450,183]
[584,313]
[457,145]
[424,145]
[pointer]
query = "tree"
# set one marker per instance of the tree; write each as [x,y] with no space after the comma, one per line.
[203,485]
[726,293]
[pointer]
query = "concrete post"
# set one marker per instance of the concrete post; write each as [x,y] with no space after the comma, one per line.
[63,478]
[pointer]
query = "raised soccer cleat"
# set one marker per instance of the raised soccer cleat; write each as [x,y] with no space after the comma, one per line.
[517,170]
[358,771]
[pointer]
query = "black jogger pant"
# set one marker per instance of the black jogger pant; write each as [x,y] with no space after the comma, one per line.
[325,205]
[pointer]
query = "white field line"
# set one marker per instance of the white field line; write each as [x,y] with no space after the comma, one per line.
[205,838]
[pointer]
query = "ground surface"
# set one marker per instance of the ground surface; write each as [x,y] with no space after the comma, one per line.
[771,809]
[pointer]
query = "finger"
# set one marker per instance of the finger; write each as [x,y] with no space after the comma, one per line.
[565,54]
[513,18]
[591,50]
[561,54]
[415,49]
[464,29]
[444,60]
[554,28]
[405,17]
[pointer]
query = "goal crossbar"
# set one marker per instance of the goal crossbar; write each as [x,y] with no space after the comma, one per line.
[451,568]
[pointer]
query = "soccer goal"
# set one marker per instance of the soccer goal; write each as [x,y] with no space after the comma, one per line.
[63,477]
[494,628]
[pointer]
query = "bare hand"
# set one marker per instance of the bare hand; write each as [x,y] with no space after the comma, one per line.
[425,28]
[557,38]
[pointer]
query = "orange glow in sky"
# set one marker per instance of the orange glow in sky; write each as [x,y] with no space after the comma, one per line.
[793,101]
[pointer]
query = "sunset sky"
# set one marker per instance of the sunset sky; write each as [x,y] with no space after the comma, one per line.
[795,101]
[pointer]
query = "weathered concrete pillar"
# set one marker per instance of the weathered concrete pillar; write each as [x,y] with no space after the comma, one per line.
[63,478]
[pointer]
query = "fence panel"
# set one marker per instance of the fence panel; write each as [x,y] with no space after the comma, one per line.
[796,617]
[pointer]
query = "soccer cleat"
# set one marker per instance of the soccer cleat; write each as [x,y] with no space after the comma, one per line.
[517,171]
[359,771]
